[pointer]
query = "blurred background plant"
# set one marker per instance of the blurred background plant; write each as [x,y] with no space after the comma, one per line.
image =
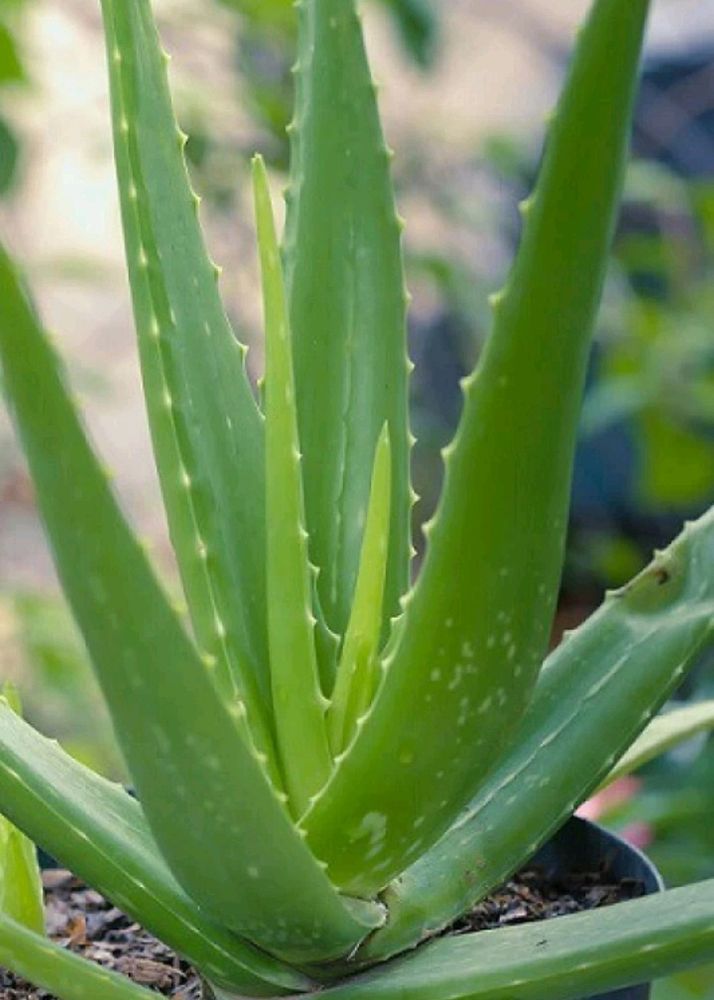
[13,74]
[646,456]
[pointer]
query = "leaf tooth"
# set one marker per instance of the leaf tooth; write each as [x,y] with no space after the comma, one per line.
[468,383]
[526,206]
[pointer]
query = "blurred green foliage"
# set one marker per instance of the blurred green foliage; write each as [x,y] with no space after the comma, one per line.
[657,349]
[12,74]
[60,695]
[264,52]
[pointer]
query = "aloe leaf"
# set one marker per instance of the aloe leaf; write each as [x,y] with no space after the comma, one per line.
[357,671]
[99,832]
[563,959]
[222,827]
[20,882]
[598,690]
[21,896]
[59,971]
[298,703]
[662,734]
[206,428]
[476,625]
[347,305]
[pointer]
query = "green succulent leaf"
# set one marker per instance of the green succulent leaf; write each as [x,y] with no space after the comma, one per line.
[206,428]
[358,668]
[663,734]
[347,306]
[59,971]
[21,896]
[98,831]
[476,625]
[562,959]
[20,882]
[222,827]
[298,703]
[598,690]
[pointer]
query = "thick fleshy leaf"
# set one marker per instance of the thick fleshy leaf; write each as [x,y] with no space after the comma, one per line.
[475,627]
[206,428]
[298,704]
[563,959]
[59,971]
[95,829]
[358,669]
[663,734]
[189,752]
[598,690]
[347,305]
[21,896]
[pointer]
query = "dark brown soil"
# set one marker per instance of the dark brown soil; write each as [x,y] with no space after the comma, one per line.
[528,897]
[83,921]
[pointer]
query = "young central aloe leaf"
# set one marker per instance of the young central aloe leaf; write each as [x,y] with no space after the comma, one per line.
[357,672]
[476,625]
[347,306]
[299,705]
[206,428]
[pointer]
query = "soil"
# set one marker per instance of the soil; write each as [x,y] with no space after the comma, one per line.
[83,921]
[529,896]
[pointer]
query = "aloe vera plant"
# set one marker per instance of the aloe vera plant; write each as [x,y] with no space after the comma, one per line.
[333,763]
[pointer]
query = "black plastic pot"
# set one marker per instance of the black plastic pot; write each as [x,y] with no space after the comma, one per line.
[581,846]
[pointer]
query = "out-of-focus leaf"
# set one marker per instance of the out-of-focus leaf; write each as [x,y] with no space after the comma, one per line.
[662,734]
[9,156]
[11,68]
[417,24]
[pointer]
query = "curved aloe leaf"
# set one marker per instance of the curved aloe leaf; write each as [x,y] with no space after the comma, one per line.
[20,883]
[562,959]
[298,703]
[597,692]
[347,305]
[64,974]
[97,830]
[21,896]
[206,428]
[222,827]
[357,672]
[662,734]
[476,625]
